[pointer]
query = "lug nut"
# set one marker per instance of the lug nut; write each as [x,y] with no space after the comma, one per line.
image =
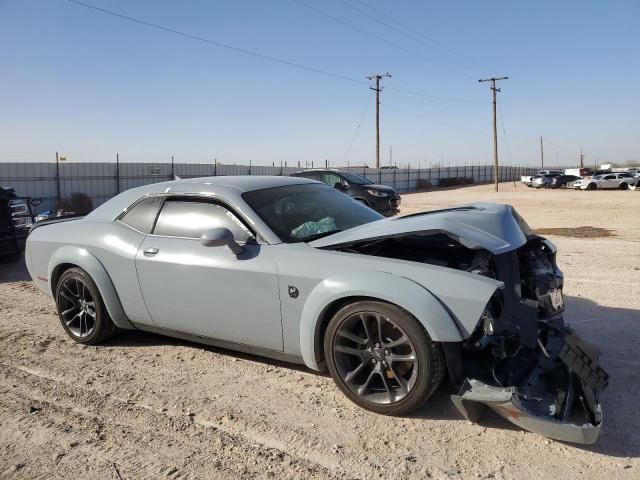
[387,352]
[373,360]
[377,345]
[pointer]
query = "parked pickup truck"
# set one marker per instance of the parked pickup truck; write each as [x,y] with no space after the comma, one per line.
[16,218]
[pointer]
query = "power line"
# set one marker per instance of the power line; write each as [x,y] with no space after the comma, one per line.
[353,27]
[369,34]
[355,134]
[219,44]
[504,131]
[247,52]
[391,27]
[419,34]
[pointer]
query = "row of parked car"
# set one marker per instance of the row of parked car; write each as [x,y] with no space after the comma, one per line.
[605,181]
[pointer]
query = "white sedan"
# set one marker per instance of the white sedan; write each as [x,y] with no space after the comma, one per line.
[609,181]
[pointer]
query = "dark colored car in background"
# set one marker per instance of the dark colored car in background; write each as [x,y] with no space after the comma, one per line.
[381,198]
[561,181]
[16,219]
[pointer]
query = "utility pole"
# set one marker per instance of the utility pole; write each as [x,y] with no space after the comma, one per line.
[390,155]
[495,128]
[541,155]
[581,158]
[378,89]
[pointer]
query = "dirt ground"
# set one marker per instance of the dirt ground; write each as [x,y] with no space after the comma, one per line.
[145,406]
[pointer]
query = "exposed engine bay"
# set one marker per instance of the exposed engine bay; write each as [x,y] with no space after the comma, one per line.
[522,360]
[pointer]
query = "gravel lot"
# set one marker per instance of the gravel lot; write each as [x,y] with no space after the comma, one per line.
[145,406]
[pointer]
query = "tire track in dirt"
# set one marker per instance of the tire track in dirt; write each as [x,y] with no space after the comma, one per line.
[95,418]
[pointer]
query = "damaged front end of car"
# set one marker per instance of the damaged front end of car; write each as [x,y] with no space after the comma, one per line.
[522,361]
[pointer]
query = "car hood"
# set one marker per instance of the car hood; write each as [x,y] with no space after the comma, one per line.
[380,188]
[494,227]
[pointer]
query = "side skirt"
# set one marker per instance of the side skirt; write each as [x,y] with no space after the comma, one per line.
[215,342]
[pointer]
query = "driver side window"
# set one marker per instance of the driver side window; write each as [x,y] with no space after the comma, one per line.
[191,218]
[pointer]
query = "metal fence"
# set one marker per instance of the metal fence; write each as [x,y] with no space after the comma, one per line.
[101,181]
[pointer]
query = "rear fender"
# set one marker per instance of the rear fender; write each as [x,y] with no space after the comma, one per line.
[82,258]
[401,291]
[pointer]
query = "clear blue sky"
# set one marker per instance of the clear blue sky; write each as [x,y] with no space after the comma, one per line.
[90,84]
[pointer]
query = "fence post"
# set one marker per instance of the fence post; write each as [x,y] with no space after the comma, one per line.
[394,178]
[117,173]
[58,180]
[172,169]
[249,166]
[408,176]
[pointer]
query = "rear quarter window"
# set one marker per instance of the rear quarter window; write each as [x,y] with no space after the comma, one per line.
[143,214]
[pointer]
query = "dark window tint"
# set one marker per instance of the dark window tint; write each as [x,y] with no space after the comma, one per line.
[357,179]
[191,219]
[143,214]
[311,175]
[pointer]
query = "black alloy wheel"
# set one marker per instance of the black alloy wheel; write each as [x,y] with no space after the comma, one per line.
[81,309]
[382,358]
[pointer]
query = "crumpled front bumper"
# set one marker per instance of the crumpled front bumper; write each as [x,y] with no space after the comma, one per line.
[533,408]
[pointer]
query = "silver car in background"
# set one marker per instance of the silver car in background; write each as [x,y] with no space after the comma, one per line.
[544,180]
[292,269]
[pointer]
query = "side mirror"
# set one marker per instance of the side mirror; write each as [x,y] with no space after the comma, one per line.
[338,186]
[218,237]
[35,202]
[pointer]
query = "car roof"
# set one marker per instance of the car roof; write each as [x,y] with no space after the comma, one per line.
[243,183]
[228,187]
[335,170]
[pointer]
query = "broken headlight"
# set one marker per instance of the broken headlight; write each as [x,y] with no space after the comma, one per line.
[487,322]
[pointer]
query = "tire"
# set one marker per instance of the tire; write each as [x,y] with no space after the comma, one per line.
[392,377]
[592,186]
[362,201]
[623,186]
[77,298]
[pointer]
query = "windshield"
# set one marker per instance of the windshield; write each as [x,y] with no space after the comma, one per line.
[357,179]
[598,177]
[301,213]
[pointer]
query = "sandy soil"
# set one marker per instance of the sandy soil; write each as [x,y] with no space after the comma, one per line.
[145,406]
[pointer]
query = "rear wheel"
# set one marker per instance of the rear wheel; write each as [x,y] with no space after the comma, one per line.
[623,186]
[81,309]
[382,358]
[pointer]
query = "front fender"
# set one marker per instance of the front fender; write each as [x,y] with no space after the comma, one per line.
[401,291]
[89,263]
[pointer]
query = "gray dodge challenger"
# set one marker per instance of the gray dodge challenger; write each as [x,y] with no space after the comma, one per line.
[292,269]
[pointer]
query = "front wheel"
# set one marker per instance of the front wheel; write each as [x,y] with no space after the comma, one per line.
[591,186]
[81,309]
[623,186]
[382,358]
